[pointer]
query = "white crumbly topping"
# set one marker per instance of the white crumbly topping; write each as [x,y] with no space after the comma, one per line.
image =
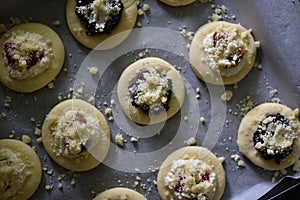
[278,135]
[191,141]
[24,46]
[12,175]
[224,49]
[191,179]
[227,95]
[152,89]
[74,132]
[119,140]
[102,8]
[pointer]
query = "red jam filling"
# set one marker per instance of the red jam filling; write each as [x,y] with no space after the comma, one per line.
[9,49]
[80,118]
[32,59]
[233,59]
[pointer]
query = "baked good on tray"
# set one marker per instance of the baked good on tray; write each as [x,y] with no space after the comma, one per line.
[222,53]
[177,2]
[191,173]
[150,91]
[20,170]
[32,55]
[93,21]
[76,135]
[120,193]
[269,135]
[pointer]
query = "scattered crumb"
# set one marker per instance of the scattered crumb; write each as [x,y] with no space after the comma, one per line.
[26,139]
[134,139]
[191,141]
[93,70]
[38,132]
[237,159]
[202,120]
[51,85]
[48,187]
[185,118]
[227,95]
[73,181]
[119,140]
[39,140]
[56,23]
[140,12]
[221,159]
[245,105]
[146,7]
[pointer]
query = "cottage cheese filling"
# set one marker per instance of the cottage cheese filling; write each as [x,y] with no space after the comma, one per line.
[101,16]
[151,91]
[275,136]
[26,55]
[191,179]
[12,176]
[75,132]
[224,50]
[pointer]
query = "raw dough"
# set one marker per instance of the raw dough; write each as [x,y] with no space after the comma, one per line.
[248,127]
[200,153]
[41,80]
[129,76]
[120,193]
[203,71]
[80,163]
[33,166]
[177,2]
[77,27]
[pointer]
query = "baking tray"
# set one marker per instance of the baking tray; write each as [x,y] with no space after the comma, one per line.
[276,24]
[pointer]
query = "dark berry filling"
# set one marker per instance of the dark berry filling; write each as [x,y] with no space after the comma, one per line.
[260,132]
[85,12]
[136,92]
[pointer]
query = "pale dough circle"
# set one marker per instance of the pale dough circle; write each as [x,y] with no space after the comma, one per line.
[55,65]
[122,30]
[248,127]
[200,153]
[177,2]
[80,163]
[203,71]
[33,166]
[119,193]
[130,75]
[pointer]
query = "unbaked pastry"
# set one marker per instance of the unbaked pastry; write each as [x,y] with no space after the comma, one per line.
[177,2]
[125,25]
[20,170]
[222,53]
[76,135]
[32,55]
[275,129]
[153,82]
[192,173]
[120,193]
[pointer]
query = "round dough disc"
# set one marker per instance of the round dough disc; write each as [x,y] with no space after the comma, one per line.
[203,71]
[200,153]
[95,155]
[121,31]
[33,166]
[129,76]
[56,62]
[120,193]
[177,2]
[248,127]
